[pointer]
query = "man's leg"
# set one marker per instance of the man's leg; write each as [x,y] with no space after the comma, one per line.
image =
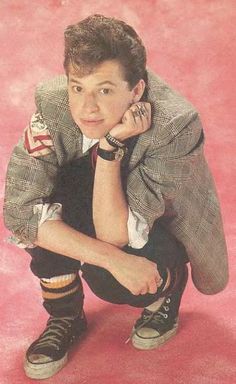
[63,298]
[158,321]
[61,285]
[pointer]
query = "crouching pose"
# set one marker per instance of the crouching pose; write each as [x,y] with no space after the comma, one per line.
[109,182]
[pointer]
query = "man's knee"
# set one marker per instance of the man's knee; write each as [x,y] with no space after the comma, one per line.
[103,284]
[107,288]
[45,263]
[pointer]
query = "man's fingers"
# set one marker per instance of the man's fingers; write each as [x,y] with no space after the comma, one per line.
[149,288]
[137,292]
[139,111]
[141,114]
[144,290]
[137,119]
[129,117]
[153,287]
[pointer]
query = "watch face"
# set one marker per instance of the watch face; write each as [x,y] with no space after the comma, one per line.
[119,154]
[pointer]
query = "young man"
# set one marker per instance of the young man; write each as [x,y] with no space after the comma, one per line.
[110,178]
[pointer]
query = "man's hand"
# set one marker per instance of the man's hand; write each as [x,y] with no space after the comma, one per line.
[136,120]
[137,274]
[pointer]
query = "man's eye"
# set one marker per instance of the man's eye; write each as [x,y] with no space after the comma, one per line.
[105,91]
[77,89]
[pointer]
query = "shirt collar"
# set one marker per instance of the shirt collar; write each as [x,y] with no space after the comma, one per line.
[88,143]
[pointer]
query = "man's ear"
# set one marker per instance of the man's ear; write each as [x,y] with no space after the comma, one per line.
[138,90]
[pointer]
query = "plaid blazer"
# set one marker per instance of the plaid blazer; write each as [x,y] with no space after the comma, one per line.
[167,175]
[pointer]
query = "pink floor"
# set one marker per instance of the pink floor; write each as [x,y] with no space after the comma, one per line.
[192,45]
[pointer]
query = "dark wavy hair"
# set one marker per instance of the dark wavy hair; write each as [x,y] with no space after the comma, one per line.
[98,38]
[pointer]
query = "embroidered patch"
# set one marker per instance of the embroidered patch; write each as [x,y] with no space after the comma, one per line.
[37,138]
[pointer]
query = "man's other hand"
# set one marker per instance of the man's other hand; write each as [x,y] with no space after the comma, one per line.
[138,274]
[136,120]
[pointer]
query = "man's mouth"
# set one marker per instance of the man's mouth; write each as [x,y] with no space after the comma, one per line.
[91,121]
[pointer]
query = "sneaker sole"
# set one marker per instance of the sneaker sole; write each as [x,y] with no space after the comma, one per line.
[44,371]
[152,343]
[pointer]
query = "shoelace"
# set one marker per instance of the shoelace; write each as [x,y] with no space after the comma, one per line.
[56,329]
[148,317]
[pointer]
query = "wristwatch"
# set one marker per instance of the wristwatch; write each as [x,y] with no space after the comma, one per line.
[117,154]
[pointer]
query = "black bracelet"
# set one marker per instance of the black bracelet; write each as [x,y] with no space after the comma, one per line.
[113,141]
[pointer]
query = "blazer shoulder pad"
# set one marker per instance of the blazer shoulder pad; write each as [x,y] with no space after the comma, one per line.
[54,89]
[166,102]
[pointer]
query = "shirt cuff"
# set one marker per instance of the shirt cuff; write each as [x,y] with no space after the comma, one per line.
[138,230]
[46,212]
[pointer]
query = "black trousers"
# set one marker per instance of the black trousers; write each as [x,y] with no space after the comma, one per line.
[74,190]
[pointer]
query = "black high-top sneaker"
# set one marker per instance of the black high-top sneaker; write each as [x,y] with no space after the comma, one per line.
[48,354]
[153,329]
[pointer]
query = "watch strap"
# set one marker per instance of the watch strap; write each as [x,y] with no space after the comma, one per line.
[117,154]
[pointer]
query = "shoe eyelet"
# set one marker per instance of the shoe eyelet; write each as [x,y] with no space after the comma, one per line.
[168,300]
[165,315]
[166,308]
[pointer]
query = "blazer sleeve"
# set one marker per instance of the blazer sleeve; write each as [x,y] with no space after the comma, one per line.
[30,178]
[156,182]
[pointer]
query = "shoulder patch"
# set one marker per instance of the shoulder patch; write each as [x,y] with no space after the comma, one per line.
[37,138]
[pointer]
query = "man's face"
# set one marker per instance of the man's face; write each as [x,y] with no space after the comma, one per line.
[99,100]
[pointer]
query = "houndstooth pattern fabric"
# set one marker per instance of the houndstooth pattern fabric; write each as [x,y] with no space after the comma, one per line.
[168,177]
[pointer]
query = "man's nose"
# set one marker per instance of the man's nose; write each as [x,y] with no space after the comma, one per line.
[89,104]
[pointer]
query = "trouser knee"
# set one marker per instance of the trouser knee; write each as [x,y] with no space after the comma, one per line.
[107,288]
[47,264]
[162,248]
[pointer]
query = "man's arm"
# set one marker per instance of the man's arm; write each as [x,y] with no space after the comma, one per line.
[110,208]
[135,273]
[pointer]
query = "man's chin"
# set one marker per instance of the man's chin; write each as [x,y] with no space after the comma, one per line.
[90,134]
[93,132]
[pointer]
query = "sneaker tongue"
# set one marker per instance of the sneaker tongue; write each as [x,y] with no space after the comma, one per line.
[156,305]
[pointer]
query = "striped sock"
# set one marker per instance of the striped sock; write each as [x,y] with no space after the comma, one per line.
[63,295]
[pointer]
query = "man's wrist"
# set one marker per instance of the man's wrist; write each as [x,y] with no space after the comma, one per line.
[107,150]
[118,257]
[113,141]
[105,145]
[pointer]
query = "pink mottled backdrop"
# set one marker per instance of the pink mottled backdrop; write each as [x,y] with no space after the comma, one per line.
[191,44]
